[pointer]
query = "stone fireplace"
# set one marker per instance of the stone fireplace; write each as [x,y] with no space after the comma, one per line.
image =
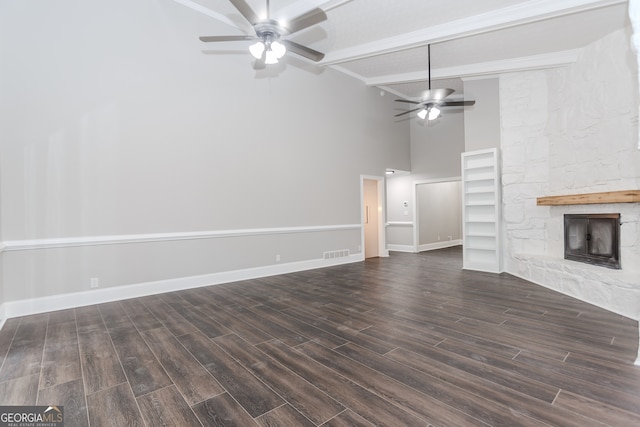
[573,131]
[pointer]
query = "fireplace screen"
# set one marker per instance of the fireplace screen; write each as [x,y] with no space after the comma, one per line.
[593,239]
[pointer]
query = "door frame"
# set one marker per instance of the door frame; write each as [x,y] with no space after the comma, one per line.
[382,217]
[416,213]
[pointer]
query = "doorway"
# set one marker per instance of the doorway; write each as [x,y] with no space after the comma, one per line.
[373,236]
[438,213]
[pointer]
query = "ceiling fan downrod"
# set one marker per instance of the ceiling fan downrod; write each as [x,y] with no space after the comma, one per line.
[429,63]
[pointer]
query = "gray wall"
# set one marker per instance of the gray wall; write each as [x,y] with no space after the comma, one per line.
[482,121]
[436,145]
[115,120]
[439,212]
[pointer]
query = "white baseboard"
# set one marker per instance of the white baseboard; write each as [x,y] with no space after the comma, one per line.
[402,248]
[3,316]
[79,299]
[439,245]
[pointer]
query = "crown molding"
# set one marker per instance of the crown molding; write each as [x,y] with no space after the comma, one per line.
[531,11]
[550,60]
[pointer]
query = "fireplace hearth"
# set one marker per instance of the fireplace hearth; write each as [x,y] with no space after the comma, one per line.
[593,239]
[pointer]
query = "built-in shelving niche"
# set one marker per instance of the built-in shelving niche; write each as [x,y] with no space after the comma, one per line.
[481,211]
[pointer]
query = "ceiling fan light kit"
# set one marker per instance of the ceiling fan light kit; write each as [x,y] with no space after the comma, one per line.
[430,113]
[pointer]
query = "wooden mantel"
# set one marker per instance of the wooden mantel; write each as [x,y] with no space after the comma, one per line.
[627,196]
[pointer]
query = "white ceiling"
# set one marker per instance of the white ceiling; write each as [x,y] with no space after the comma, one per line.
[384,42]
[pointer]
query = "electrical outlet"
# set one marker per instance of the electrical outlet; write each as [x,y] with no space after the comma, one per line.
[94,282]
[278,258]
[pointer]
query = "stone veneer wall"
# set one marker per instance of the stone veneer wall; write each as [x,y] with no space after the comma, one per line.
[567,131]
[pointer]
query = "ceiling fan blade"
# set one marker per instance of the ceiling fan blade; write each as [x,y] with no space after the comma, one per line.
[407,112]
[436,94]
[245,10]
[407,101]
[307,52]
[225,38]
[306,20]
[456,103]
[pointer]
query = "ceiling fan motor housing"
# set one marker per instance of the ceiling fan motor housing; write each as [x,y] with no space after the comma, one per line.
[269,31]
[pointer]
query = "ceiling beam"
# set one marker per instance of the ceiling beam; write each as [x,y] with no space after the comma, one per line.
[293,10]
[206,11]
[299,7]
[530,11]
[547,60]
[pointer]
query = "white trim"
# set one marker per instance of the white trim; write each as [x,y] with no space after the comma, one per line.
[523,13]
[3,316]
[206,11]
[439,245]
[484,77]
[350,73]
[66,242]
[402,248]
[437,180]
[99,296]
[300,7]
[416,228]
[393,92]
[534,62]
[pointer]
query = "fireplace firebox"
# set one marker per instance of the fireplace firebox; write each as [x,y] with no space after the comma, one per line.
[593,239]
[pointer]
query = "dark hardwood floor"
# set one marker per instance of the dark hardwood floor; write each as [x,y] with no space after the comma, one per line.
[409,340]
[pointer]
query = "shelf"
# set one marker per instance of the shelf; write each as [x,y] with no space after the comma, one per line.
[481,191]
[478,248]
[627,196]
[479,162]
[481,211]
[481,177]
[491,203]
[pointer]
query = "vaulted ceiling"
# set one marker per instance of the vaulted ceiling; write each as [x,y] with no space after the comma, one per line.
[384,43]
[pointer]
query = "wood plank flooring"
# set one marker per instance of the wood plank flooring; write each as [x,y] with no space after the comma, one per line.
[409,340]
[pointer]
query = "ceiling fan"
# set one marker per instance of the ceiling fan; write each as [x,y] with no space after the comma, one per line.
[429,107]
[271,44]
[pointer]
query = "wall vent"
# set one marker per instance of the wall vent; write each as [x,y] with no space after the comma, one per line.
[336,254]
